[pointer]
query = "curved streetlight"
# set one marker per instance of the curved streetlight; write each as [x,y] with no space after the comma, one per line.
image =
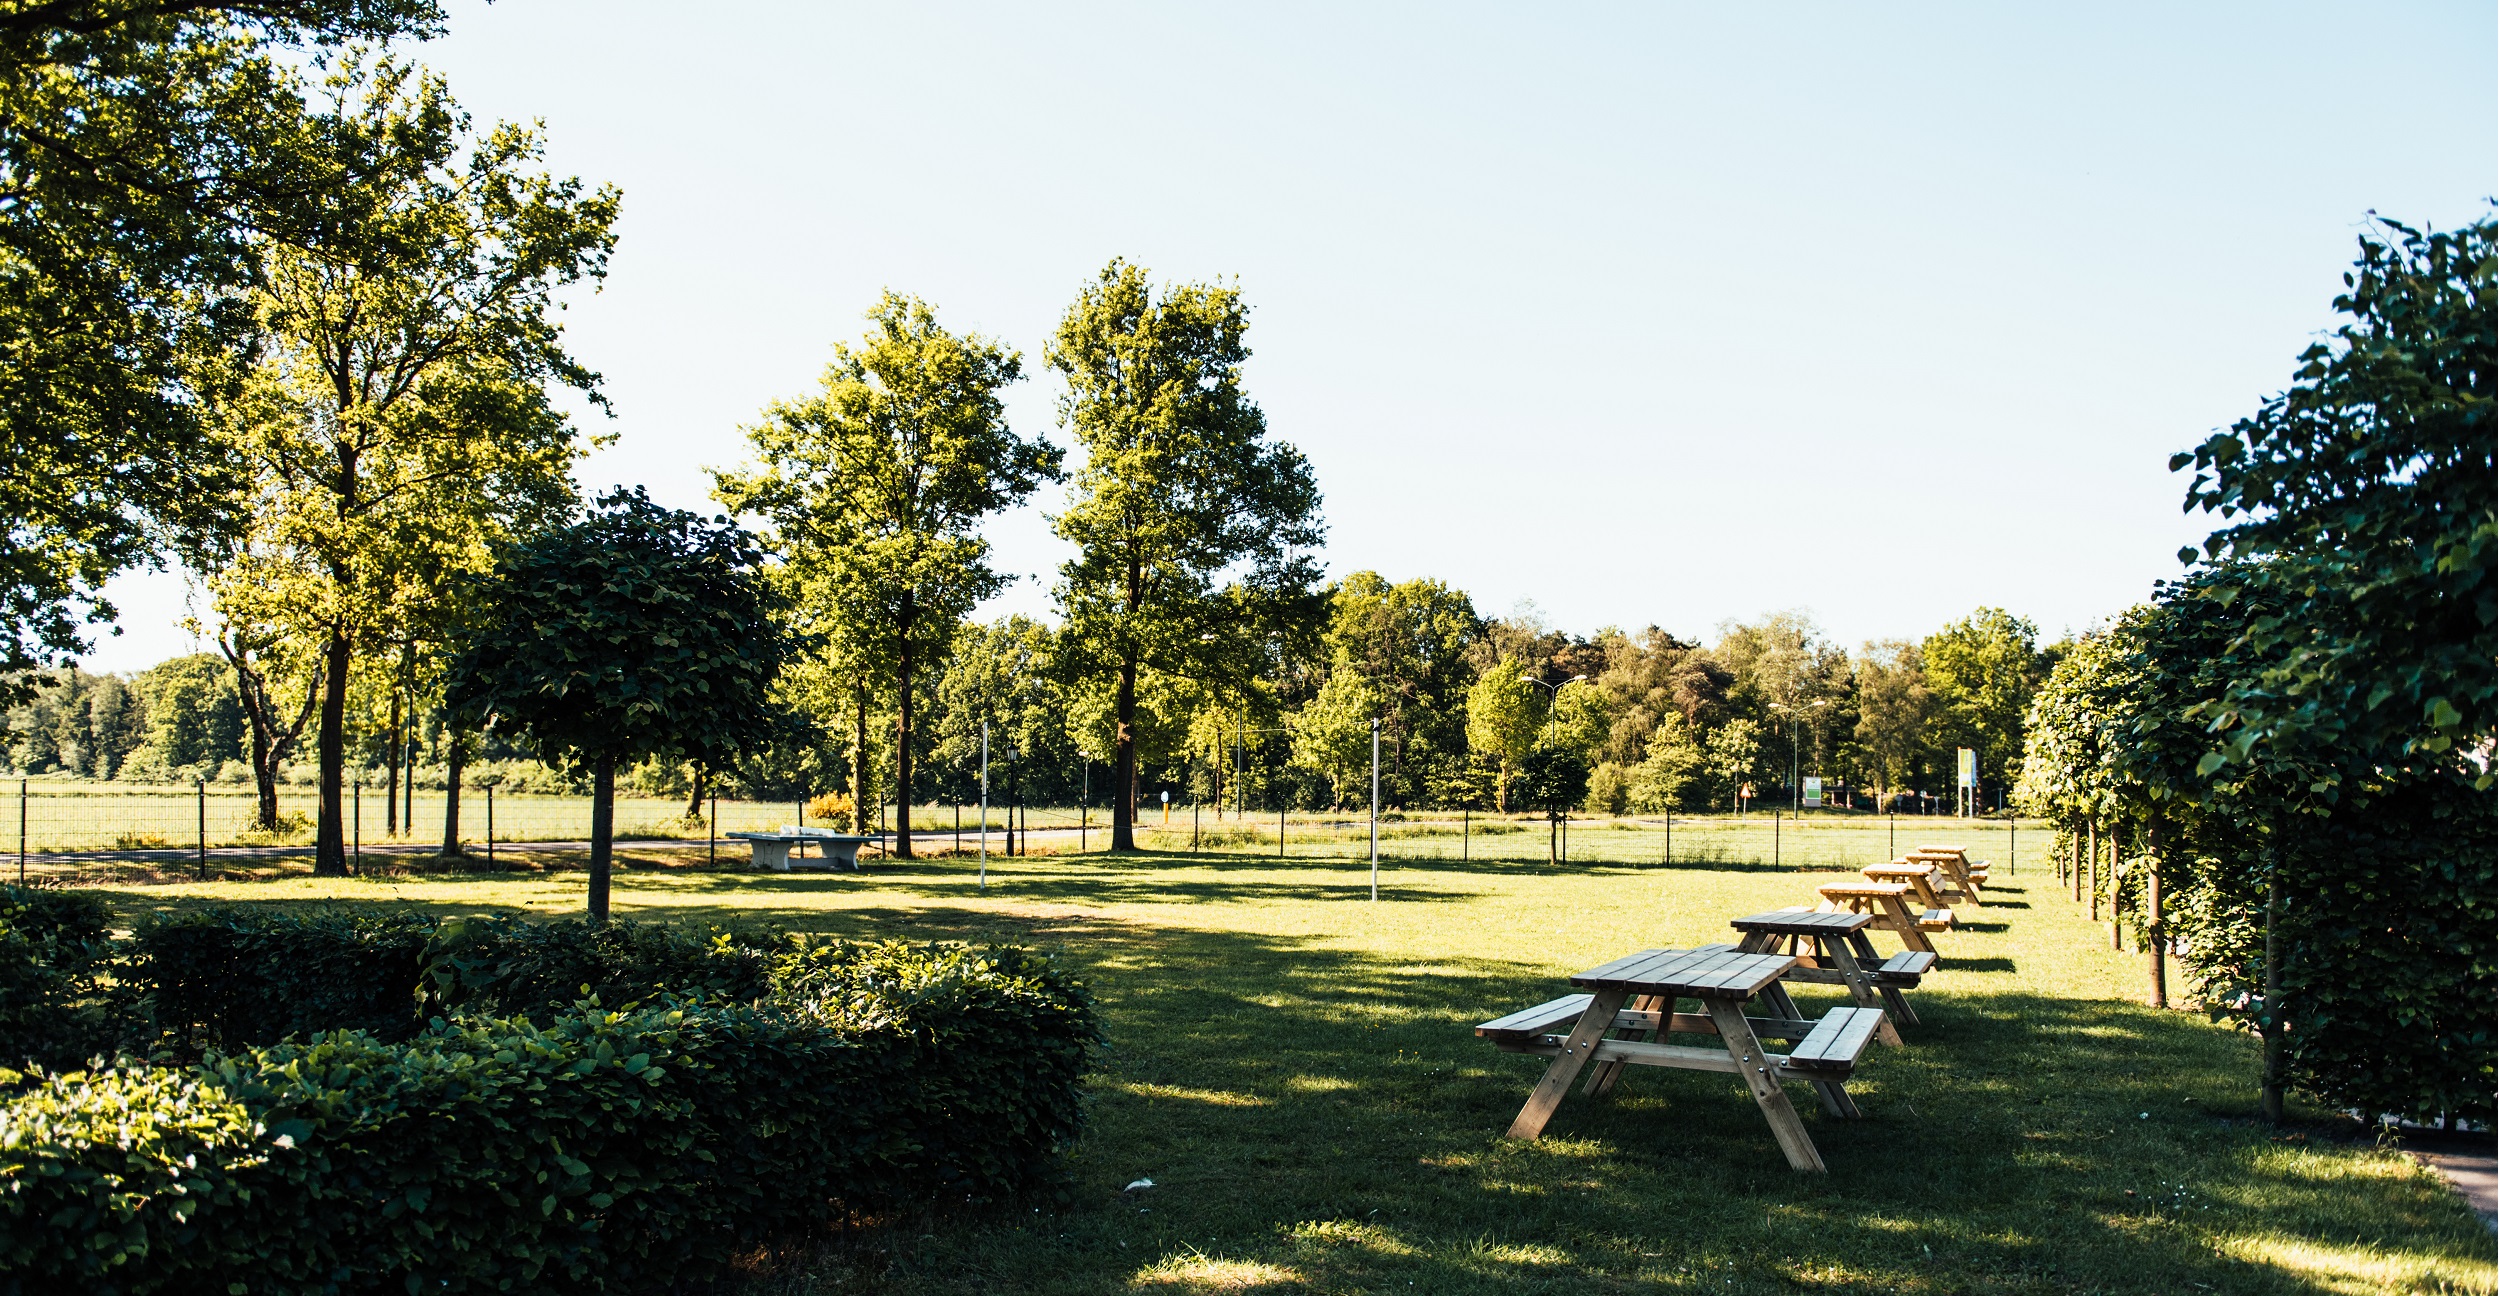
[1550,848]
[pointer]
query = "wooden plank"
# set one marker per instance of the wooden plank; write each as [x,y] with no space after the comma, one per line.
[1909,963]
[1558,1076]
[1757,1068]
[1904,926]
[1538,1020]
[1838,1041]
[1604,970]
[1861,983]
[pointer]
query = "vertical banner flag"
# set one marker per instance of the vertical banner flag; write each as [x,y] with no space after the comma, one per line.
[1967,762]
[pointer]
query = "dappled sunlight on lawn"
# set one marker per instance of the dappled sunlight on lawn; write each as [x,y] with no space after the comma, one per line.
[1294,1068]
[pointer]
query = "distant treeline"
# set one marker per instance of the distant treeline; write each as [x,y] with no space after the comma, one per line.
[1467,706]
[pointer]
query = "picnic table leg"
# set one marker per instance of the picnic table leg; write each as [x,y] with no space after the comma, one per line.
[1894,1002]
[1550,1088]
[1861,985]
[1602,1080]
[1907,926]
[1753,1064]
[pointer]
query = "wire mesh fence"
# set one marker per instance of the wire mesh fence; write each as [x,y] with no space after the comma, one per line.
[62,818]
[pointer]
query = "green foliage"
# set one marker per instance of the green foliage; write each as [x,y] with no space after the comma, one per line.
[1981,672]
[596,1149]
[153,153]
[1554,779]
[1671,769]
[876,490]
[1408,643]
[1332,733]
[53,948]
[1896,711]
[241,976]
[2369,487]
[1502,718]
[1195,533]
[512,967]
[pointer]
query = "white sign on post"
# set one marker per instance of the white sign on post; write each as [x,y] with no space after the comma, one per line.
[1814,793]
[1966,762]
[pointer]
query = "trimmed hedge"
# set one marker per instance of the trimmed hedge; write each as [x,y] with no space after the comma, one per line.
[237,976]
[597,1150]
[517,967]
[53,945]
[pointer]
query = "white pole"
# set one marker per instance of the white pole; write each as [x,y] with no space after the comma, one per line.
[1375,809]
[985,805]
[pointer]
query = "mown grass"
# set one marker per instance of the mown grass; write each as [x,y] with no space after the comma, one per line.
[1292,1065]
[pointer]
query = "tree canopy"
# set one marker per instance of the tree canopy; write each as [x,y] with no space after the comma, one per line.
[1195,531]
[635,632]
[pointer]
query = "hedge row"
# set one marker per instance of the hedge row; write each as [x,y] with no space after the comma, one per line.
[583,1148]
[53,949]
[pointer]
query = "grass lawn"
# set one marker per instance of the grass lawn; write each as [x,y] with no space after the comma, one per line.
[1293,1067]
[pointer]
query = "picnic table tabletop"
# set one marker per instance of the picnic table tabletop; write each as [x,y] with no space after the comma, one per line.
[1723,978]
[1884,901]
[1920,877]
[1832,948]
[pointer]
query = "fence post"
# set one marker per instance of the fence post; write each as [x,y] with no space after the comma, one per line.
[716,830]
[203,869]
[490,827]
[1375,809]
[357,819]
[21,832]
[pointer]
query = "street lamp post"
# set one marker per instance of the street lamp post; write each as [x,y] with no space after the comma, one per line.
[1554,822]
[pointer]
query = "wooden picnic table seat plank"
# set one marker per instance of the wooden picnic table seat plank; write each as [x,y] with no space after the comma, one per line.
[1909,963]
[1538,1020]
[1837,1041]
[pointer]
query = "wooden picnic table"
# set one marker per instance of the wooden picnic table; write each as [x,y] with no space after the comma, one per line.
[1956,863]
[1723,979]
[1882,900]
[1937,910]
[1834,949]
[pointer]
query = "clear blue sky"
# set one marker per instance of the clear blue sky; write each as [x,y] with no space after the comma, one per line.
[1655,314]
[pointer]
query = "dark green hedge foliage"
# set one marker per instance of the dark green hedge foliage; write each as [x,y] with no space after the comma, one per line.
[516,967]
[596,1150]
[53,944]
[235,976]
[2389,912]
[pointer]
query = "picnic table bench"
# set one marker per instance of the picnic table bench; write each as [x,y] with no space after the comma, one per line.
[1606,1026]
[1935,902]
[770,851]
[1884,902]
[1970,877]
[1834,949]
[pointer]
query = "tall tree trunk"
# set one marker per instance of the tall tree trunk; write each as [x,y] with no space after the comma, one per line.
[702,784]
[859,761]
[271,742]
[902,741]
[390,800]
[2092,867]
[602,833]
[2156,936]
[455,759]
[1124,754]
[2270,1026]
[330,842]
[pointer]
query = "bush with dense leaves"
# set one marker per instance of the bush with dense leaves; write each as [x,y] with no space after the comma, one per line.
[235,976]
[594,1150]
[53,945]
[513,966]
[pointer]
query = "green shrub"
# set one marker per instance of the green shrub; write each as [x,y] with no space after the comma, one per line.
[53,947]
[236,976]
[600,1150]
[518,967]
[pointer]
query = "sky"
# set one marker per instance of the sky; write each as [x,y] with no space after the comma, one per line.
[1656,314]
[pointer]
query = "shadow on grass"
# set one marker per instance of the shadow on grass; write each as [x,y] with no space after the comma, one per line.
[1322,1116]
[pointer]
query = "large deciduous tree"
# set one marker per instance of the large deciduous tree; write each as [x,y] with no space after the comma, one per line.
[1194,529]
[1982,671]
[150,152]
[398,424]
[876,489]
[637,632]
